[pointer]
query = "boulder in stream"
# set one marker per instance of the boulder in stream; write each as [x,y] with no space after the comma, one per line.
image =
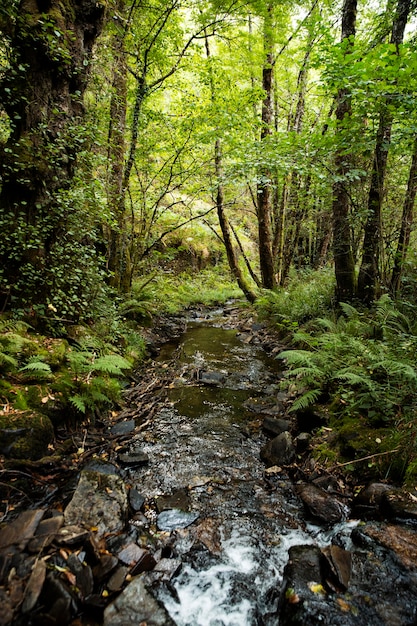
[321,505]
[136,605]
[278,451]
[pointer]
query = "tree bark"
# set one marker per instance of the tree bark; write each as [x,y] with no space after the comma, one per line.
[265,195]
[117,257]
[51,46]
[342,246]
[406,224]
[369,275]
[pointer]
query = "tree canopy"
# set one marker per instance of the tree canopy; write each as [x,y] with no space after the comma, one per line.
[287,129]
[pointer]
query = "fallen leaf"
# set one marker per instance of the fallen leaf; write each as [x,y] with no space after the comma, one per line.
[317,588]
[345,606]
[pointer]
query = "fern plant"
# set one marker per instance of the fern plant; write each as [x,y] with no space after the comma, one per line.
[361,362]
[91,382]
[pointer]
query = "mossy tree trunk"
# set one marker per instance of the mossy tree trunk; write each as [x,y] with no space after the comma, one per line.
[342,239]
[369,273]
[50,49]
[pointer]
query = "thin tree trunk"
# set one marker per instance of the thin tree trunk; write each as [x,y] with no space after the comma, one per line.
[368,280]
[265,192]
[116,159]
[406,224]
[226,230]
[223,221]
[342,245]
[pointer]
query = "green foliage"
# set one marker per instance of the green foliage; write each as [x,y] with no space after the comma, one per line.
[171,294]
[308,295]
[362,362]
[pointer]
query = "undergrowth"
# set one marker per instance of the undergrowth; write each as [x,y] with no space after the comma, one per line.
[169,293]
[363,365]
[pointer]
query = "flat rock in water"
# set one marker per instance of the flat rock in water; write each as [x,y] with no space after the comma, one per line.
[99,501]
[278,451]
[175,518]
[178,500]
[136,605]
[320,504]
[134,458]
[123,428]
[399,539]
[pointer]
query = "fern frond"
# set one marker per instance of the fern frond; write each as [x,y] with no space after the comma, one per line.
[36,366]
[111,364]
[306,400]
[297,358]
[354,379]
[78,402]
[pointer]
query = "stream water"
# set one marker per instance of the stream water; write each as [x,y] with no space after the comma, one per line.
[204,448]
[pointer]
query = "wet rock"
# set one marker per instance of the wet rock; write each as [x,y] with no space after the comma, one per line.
[400,505]
[368,501]
[178,500]
[136,500]
[166,569]
[62,605]
[279,450]
[264,406]
[118,578]
[134,458]
[34,586]
[130,554]
[145,563]
[303,595]
[302,442]
[401,540]
[212,378]
[172,519]
[71,535]
[45,533]
[83,575]
[320,505]
[21,530]
[275,426]
[136,605]
[107,563]
[123,428]
[99,501]
[339,567]
[327,483]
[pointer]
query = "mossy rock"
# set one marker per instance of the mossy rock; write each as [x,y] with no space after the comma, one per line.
[25,434]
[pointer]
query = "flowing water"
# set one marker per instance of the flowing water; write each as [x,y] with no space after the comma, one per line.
[205,446]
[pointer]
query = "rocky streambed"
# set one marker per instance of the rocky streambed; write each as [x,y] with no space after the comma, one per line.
[200,504]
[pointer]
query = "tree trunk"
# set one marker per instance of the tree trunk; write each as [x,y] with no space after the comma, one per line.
[116,261]
[342,246]
[406,224]
[50,52]
[226,230]
[265,192]
[368,279]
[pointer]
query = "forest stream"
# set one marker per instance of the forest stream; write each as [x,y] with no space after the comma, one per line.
[190,524]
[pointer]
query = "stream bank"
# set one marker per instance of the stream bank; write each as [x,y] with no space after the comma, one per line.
[200,504]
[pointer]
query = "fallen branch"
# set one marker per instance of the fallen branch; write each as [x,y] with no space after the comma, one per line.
[366,458]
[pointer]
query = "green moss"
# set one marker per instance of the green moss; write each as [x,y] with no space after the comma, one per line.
[25,434]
